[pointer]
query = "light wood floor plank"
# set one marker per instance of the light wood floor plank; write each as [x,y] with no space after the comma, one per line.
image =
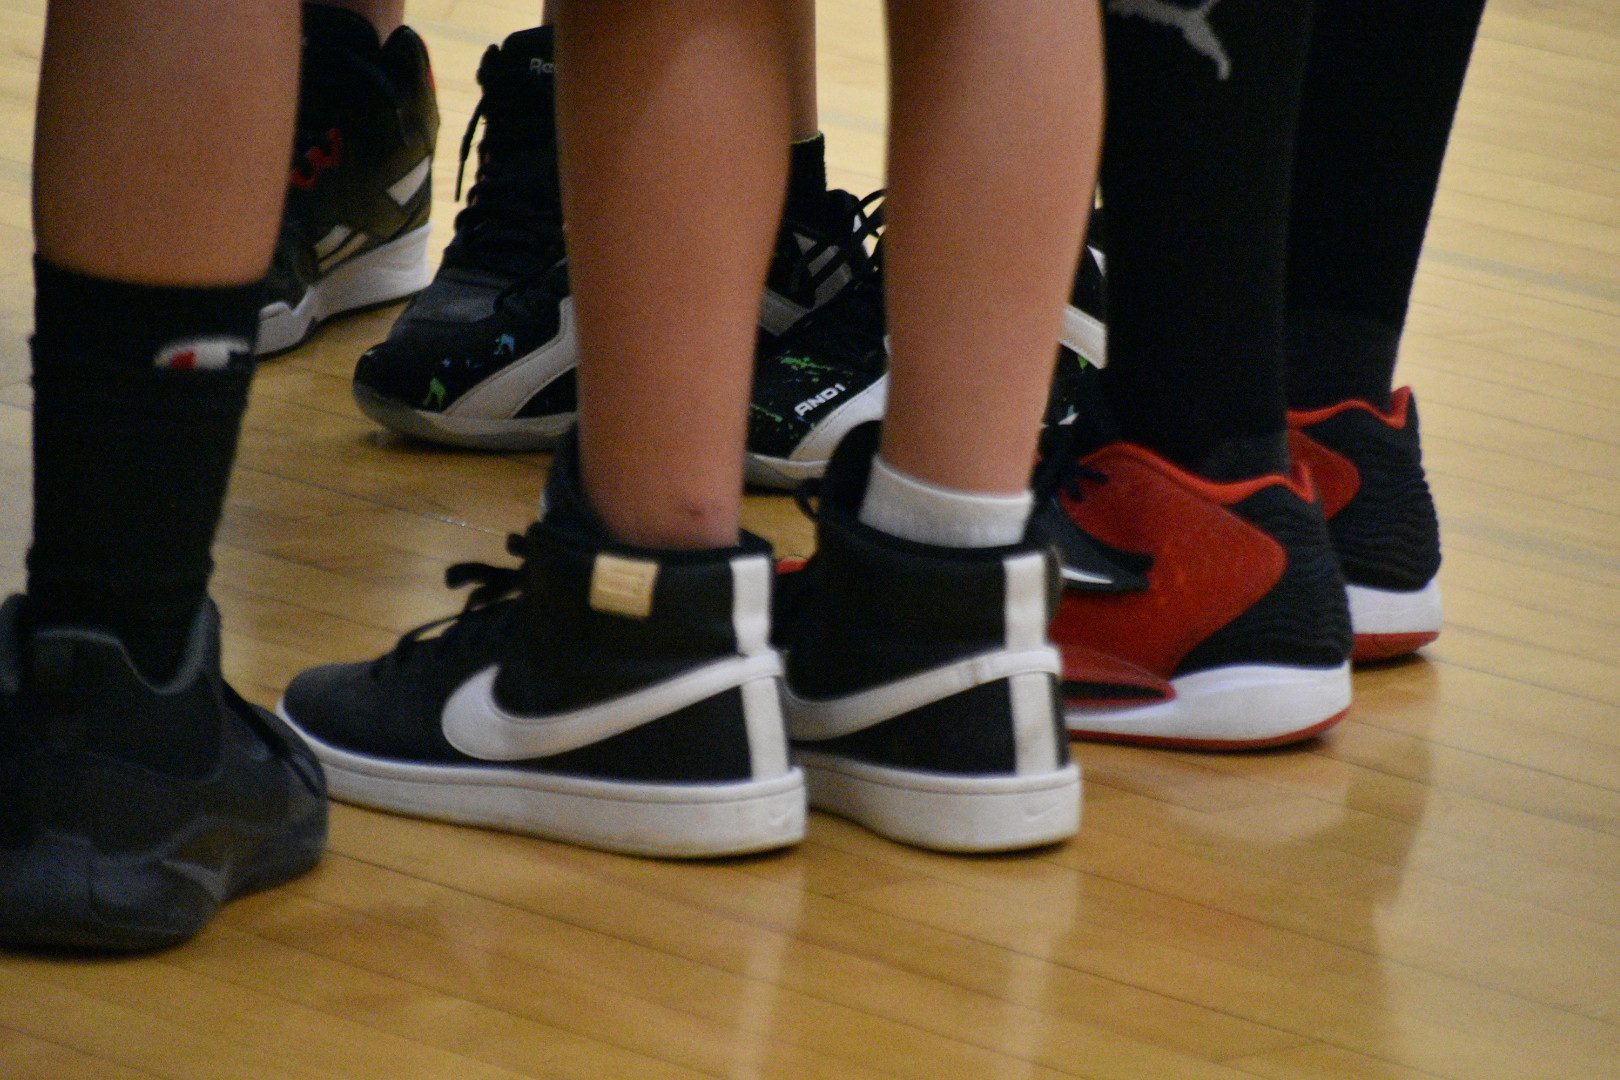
[1432,891]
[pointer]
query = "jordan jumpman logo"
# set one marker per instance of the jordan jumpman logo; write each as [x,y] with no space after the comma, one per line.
[1192,22]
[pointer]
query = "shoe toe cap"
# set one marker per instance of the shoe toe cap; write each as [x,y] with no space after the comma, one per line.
[349,709]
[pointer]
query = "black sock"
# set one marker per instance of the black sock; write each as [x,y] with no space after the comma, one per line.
[807,178]
[1202,100]
[1381,88]
[138,398]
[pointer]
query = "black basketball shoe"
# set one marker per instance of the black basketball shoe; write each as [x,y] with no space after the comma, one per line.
[1368,464]
[355,230]
[828,371]
[1085,333]
[485,356]
[603,695]
[129,812]
[922,691]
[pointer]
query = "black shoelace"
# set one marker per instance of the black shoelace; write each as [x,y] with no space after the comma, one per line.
[513,215]
[851,326]
[472,631]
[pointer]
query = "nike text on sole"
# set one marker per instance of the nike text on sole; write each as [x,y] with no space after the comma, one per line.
[662,820]
[1241,707]
[944,812]
[390,272]
[1388,624]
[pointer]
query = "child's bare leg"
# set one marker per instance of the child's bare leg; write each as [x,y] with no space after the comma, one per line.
[977,274]
[672,120]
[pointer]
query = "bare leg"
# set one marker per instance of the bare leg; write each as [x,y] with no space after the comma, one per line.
[672,121]
[120,200]
[386,15]
[974,308]
[802,32]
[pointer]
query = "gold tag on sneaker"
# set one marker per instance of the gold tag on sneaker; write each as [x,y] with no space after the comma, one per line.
[621,586]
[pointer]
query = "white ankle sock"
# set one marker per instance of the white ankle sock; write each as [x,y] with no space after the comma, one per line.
[916,510]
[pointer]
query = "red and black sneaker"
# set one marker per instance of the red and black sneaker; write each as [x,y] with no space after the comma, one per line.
[1240,637]
[1368,466]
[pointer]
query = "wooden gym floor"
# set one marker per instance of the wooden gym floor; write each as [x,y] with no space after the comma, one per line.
[1429,891]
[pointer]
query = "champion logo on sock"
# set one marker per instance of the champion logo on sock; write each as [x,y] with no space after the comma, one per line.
[201,354]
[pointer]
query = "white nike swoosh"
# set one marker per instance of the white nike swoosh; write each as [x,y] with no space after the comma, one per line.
[811,720]
[1085,577]
[475,723]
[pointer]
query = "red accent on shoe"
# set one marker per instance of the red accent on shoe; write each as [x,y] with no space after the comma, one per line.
[1399,403]
[319,161]
[1336,476]
[1219,744]
[1373,647]
[1209,565]
[1089,675]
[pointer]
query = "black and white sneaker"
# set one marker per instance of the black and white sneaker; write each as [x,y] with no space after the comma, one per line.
[355,230]
[922,691]
[1085,333]
[130,812]
[828,372]
[603,695]
[484,357]
[1368,465]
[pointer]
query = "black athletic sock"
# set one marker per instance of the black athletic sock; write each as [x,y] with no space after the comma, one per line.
[1202,101]
[1381,88]
[138,398]
[807,178]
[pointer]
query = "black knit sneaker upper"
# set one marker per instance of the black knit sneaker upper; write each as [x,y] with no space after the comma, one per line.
[1381,515]
[129,812]
[1302,621]
[496,313]
[870,614]
[362,158]
[827,372]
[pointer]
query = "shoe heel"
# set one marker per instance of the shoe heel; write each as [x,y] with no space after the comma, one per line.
[929,802]
[390,272]
[946,813]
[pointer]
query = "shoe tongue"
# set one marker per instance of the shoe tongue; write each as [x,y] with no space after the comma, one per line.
[340,28]
[844,485]
[530,51]
[1246,457]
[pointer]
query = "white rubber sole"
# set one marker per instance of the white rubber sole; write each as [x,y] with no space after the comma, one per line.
[1379,611]
[1243,706]
[390,272]
[681,821]
[468,432]
[942,812]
